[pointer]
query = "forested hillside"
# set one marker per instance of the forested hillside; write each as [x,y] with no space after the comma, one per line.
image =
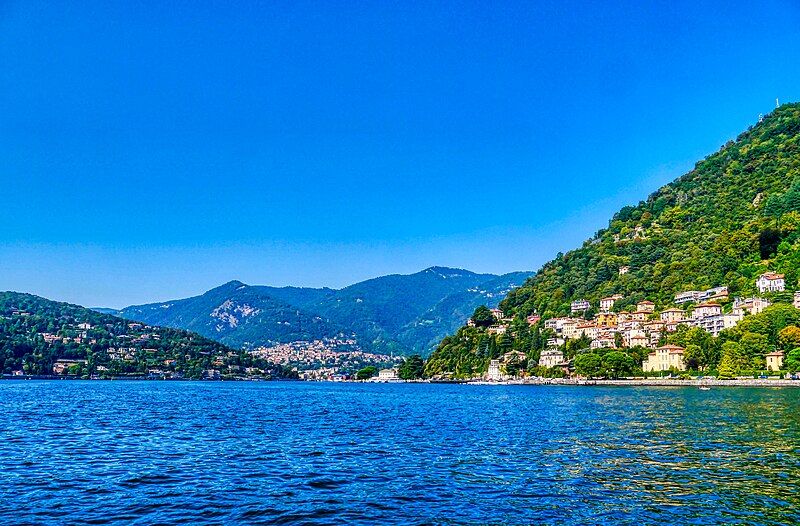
[736,215]
[733,217]
[43,337]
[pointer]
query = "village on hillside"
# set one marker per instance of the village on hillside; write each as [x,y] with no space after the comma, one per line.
[642,327]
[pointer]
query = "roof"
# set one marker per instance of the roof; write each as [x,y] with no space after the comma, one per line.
[671,348]
[672,310]
[707,304]
[646,302]
[775,353]
[771,275]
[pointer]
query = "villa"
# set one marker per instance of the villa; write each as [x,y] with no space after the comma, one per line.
[664,358]
[770,282]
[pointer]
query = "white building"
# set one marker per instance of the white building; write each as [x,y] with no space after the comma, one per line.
[717,323]
[706,309]
[770,282]
[551,358]
[606,304]
[754,305]
[494,372]
[388,375]
[646,306]
[579,305]
[797,300]
[606,342]
[686,297]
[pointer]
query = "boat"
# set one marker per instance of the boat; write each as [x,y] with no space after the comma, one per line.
[704,388]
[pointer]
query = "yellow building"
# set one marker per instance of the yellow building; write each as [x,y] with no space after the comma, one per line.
[664,358]
[606,319]
[774,361]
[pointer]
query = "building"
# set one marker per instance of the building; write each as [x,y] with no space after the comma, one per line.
[551,358]
[770,282]
[606,304]
[533,319]
[646,306]
[606,342]
[704,310]
[514,356]
[494,372]
[624,269]
[686,297]
[664,358]
[672,315]
[556,324]
[606,319]
[590,330]
[797,300]
[579,305]
[754,305]
[569,329]
[388,375]
[637,338]
[497,313]
[717,323]
[62,366]
[712,294]
[774,361]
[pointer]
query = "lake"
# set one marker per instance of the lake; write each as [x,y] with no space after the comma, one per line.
[321,453]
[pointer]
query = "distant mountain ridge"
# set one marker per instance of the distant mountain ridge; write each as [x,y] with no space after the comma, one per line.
[400,314]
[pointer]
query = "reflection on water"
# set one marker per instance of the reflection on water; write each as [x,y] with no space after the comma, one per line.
[145,452]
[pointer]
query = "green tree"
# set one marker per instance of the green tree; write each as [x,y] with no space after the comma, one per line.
[366,373]
[588,364]
[617,363]
[483,317]
[789,337]
[413,368]
[793,360]
[692,356]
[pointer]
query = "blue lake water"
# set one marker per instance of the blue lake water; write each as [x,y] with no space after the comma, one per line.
[316,453]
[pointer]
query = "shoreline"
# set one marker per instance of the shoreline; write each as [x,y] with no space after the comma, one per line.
[652,382]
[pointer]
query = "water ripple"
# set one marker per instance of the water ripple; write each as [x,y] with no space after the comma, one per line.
[296,453]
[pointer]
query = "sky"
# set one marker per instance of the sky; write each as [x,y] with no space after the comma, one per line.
[154,150]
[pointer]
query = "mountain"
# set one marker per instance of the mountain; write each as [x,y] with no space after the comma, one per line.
[43,337]
[733,217]
[402,314]
[424,333]
[242,316]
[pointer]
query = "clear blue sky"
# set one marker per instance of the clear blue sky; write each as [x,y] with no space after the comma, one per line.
[153,150]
